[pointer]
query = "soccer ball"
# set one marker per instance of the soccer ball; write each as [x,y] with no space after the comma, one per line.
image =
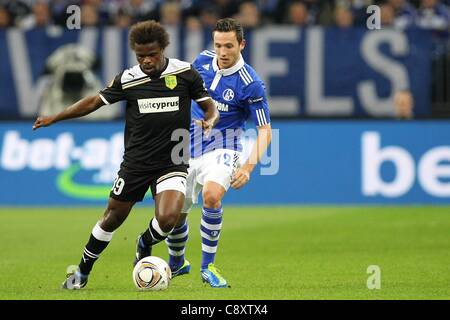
[152,273]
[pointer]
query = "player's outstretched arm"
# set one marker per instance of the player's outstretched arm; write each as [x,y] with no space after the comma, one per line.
[78,109]
[211,115]
[242,175]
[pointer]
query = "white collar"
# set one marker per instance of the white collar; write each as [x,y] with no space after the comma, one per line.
[230,70]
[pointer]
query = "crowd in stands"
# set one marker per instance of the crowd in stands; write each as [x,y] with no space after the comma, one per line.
[198,14]
[194,14]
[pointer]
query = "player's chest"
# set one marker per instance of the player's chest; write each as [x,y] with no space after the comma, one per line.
[225,93]
[161,87]
[159,96]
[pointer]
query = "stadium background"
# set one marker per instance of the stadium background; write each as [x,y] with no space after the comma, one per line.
[361,118]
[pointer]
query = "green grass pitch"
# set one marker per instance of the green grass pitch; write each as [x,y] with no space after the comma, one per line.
[264,252]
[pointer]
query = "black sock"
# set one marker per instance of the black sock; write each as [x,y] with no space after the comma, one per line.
[153,234]
[98,241]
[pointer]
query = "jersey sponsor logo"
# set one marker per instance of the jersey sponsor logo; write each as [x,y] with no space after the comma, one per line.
[156,105]
[221,106]
[171,81]
[206,66]
[228,95]
[250,101]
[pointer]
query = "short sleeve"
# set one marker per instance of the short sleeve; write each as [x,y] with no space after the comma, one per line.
[113,92]
[197,89]
[256,100]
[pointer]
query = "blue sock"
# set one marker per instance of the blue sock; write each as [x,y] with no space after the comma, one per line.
[176,243]
[211,224]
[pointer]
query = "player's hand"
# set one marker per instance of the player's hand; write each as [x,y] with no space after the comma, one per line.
[206,126]
[240,178]
[43,122]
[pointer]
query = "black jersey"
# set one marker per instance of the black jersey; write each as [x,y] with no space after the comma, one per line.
[156,107]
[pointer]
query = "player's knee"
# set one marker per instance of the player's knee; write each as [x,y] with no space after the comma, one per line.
[211,199]
[167,220]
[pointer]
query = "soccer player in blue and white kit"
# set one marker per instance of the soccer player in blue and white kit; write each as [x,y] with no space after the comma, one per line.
[215,164]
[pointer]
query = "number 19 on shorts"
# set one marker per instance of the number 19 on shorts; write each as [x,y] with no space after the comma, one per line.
[118,185]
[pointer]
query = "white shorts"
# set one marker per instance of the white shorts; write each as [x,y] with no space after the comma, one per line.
[216,166]
[174,183]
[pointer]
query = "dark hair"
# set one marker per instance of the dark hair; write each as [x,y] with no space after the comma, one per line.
[228,25]
[147,32]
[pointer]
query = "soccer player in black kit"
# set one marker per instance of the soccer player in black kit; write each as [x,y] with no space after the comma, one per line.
[158,92]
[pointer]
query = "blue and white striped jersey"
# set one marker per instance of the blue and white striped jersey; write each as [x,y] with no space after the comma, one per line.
[238,93]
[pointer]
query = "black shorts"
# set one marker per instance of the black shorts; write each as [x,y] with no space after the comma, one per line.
[133,187]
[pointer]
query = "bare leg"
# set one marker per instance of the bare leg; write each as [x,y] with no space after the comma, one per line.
[115,214]
[168,205]
[168,208]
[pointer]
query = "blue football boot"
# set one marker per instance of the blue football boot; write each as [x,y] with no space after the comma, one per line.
[212,276]
[184,269]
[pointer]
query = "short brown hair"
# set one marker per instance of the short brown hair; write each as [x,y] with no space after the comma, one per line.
[228,25]
[147,32]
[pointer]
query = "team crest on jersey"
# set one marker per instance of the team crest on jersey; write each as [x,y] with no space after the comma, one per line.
[206,66]
[171,81]
[228,95]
